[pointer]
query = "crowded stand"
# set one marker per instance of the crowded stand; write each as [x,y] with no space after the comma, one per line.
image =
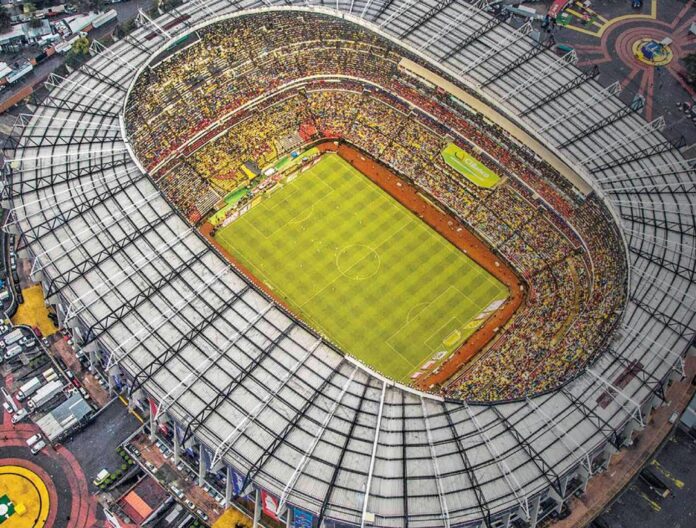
[198,118]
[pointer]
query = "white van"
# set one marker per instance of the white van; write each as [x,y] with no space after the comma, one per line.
[38,446]
[13,351]
[13,336]
[31,441]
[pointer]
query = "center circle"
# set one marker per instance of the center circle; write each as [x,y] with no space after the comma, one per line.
[358,262]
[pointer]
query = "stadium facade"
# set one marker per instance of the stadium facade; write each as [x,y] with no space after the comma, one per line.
[258,394]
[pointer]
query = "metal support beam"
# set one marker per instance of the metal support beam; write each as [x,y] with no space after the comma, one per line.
[119,312]
[201,466]
[62,173]
[436,467]
[564,437]
[508,40]
[454,22]
[432,12]
[92,261]
[146,372]
[681,328]
[647,152]
[548,472]
[485,28]
[279,440]
[77,209]
[519,61]
[99,76]
[404,459]
[573,111]
[375,444]
[338,465]
[383,8]
[648,129]
[299,469]
[509,477]
[605,122]
[558,64]
[228,486]
[476,488]
[580,79]
[685,272]
[254,413]
[603,427]
[223,395]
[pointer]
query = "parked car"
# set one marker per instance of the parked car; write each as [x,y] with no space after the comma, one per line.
[33,439]
[176,491]
[101,477]
[13,351]
[19,416]
[38,446]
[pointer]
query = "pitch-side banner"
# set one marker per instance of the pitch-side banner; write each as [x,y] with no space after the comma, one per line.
[301,518]
[269,504]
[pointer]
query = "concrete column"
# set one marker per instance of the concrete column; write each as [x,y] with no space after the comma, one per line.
[627,433]
[177,448]
[584,476]
[288,517]
[534,511]
[228,487]
[257,509]
[61,317]
[153,425]
[506,520]
[201,466]
[92,360]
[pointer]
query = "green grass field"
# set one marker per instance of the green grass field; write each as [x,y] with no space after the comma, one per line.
[361,268]
[469,167]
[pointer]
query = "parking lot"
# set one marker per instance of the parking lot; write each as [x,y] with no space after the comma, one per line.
[640,506]
[95,447]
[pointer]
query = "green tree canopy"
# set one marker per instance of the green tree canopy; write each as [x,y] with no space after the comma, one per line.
[5,20]
[690,64]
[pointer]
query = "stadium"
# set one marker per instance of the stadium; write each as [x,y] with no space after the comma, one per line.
[380,263]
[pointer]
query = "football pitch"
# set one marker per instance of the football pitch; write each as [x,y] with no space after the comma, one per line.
[362,269]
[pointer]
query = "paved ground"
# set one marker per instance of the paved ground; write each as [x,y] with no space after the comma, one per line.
[607,42]
[95,447]
[640,507]
[72,506]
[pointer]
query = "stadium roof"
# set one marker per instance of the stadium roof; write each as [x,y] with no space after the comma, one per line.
[266,394]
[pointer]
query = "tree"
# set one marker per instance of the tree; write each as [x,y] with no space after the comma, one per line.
[91,5]
[78,52]
[690,63]
[34,22]
[5,20]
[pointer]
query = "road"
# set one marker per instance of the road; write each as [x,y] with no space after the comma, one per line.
[126,11]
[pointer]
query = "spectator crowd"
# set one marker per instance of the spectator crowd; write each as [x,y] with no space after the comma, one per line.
[252,88]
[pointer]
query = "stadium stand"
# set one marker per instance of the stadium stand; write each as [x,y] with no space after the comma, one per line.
[557,332]
[95,181]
